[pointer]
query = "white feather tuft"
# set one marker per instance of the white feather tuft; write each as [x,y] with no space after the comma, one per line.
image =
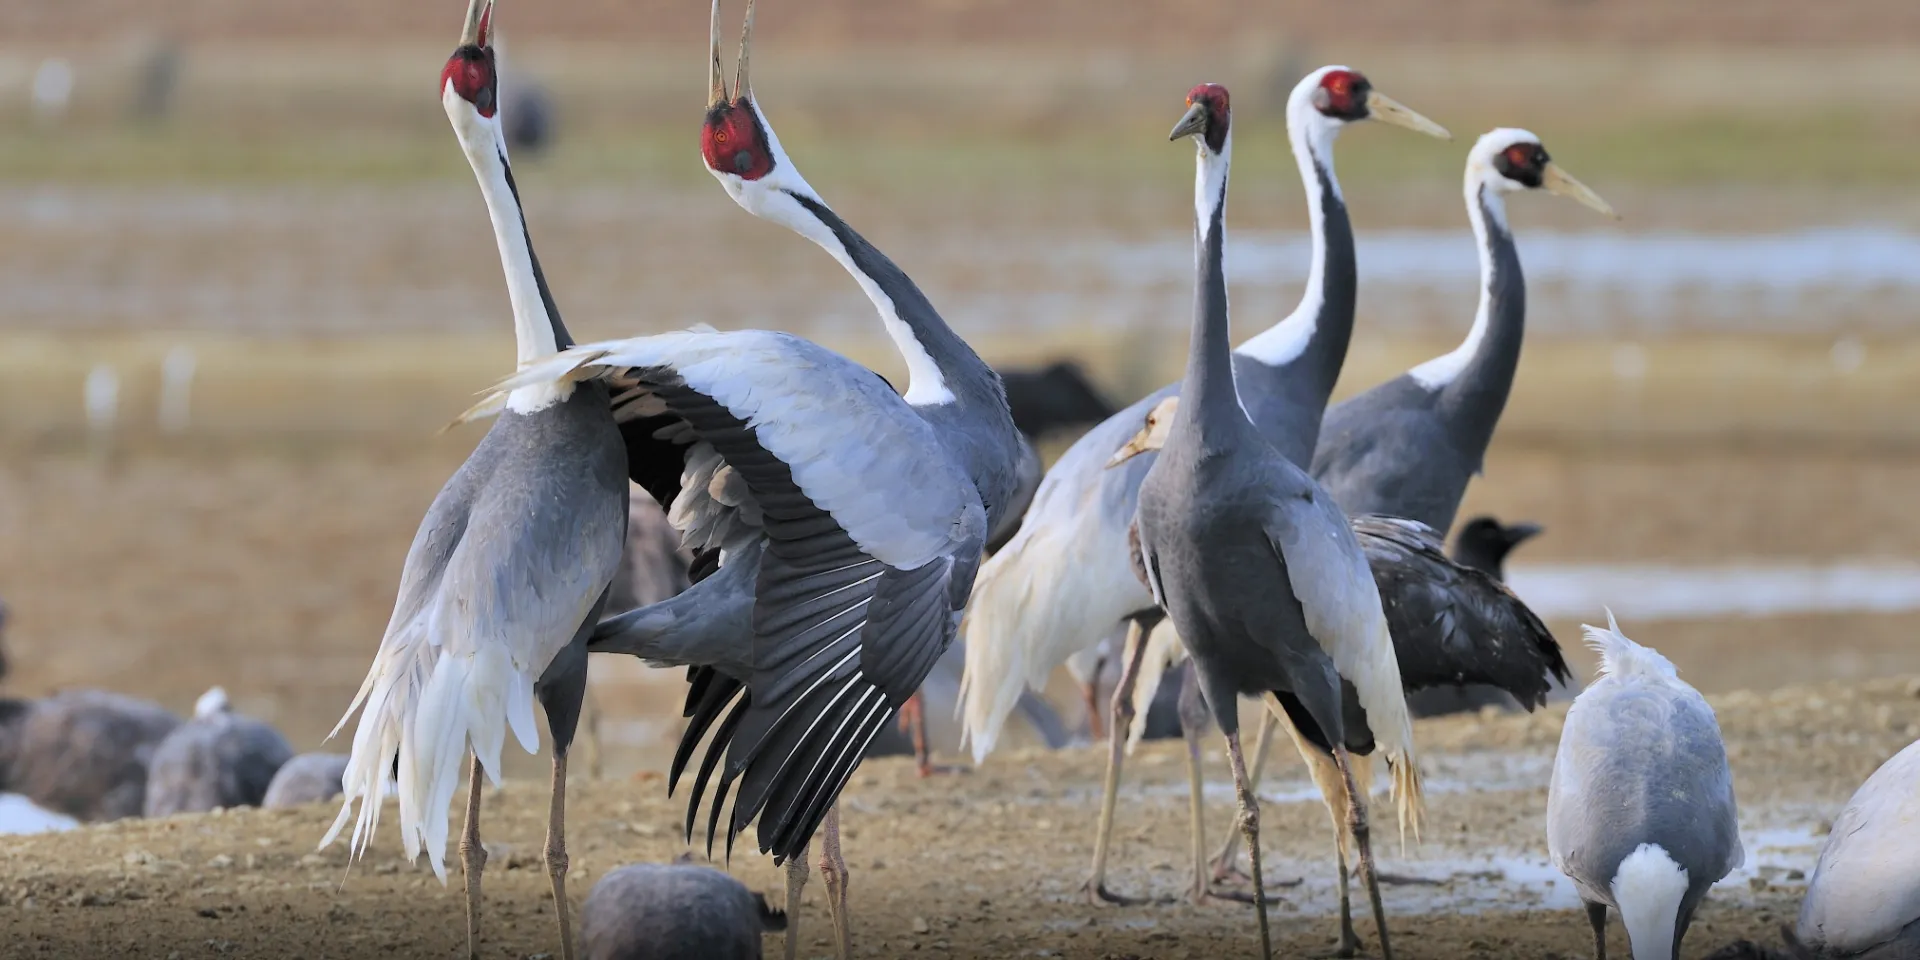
[214,701]
[1620,656]
[422,707]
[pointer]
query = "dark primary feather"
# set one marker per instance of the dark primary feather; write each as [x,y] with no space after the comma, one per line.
[840,641]
[1453,624]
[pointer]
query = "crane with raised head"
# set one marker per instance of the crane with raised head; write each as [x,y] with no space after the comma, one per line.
[1257,568]
[848,520]
[509,570]
[1063,584]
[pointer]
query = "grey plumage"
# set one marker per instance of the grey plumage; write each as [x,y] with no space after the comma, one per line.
[305,779]
[654,565]
[82,753]
[679,911]
[216,760]
[1640,811]
[1254,564]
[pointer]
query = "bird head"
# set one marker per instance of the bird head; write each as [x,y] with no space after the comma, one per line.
[1152,435]
[1208,118]
[1509,161]
[1484,542]
[739,146]
[469,83]
[1331,97]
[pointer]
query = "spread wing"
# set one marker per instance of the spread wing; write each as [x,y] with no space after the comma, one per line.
[873,534]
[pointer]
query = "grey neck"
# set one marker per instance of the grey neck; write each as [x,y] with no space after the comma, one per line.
[1338,278]
[1211,417]
[1474,400]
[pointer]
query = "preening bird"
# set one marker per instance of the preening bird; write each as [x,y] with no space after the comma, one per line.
[1640,811]
[849,519]
[216,760]
[674,911]
[1451,624]
[81,753]
[1063,585]
[509,570]
[1254,564]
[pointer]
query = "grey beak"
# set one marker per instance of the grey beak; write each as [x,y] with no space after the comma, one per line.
[1192,122]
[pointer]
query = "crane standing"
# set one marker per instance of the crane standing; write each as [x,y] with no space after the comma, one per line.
[508,572]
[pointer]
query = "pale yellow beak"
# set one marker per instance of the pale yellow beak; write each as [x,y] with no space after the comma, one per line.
[1152,435]
[478,15]
[716,82]
[1561,183]
[1388,110]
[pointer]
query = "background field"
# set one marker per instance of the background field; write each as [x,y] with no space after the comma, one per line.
[1726,377]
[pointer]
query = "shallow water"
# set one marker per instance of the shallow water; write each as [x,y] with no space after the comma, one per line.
[1662,592]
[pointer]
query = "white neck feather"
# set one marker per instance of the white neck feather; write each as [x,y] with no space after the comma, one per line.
[1312,136]
[1442,370]
[772,198]
[533,335]
[1209,179]
[1648,888]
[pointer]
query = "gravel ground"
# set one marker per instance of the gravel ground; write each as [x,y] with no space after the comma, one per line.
[982,864]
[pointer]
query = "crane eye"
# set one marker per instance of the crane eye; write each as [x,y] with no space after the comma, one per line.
[743,161]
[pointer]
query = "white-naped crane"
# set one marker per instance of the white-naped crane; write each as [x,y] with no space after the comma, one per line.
[849,519]
[509,570]
[1451,624]
[1063,585]
[1257,568]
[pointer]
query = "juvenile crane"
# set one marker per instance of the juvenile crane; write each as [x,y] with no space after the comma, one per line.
[1640,811]
[1063,585]
[509,570]
[1255,565]
[849,519]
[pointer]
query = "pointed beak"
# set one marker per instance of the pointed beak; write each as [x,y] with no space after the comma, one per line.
[1194,121]
[1521,532]
[1561,183]
[1134,447]
[1388,110]
[742,85]
[716,83]
[479,19]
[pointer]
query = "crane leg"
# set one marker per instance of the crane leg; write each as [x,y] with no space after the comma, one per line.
[473,856]
[556,854]
[913,722]
[1250,826]
[1225,863]
[1597,915]
[833,872]
[1090,694]
[1193,725]
[590,734]
[1357,828]
[796,881]
[1333,790]
[1136,651]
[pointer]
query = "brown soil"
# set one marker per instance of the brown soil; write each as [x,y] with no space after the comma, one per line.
[985,864]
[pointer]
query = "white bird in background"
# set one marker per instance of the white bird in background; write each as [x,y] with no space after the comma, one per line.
[1640,812]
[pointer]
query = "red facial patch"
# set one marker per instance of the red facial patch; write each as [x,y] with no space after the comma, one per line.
[731,141]
[1214,96]
[470,71]
[1525,156]
[1342,94]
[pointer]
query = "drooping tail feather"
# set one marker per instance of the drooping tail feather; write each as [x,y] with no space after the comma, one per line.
[420,709]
